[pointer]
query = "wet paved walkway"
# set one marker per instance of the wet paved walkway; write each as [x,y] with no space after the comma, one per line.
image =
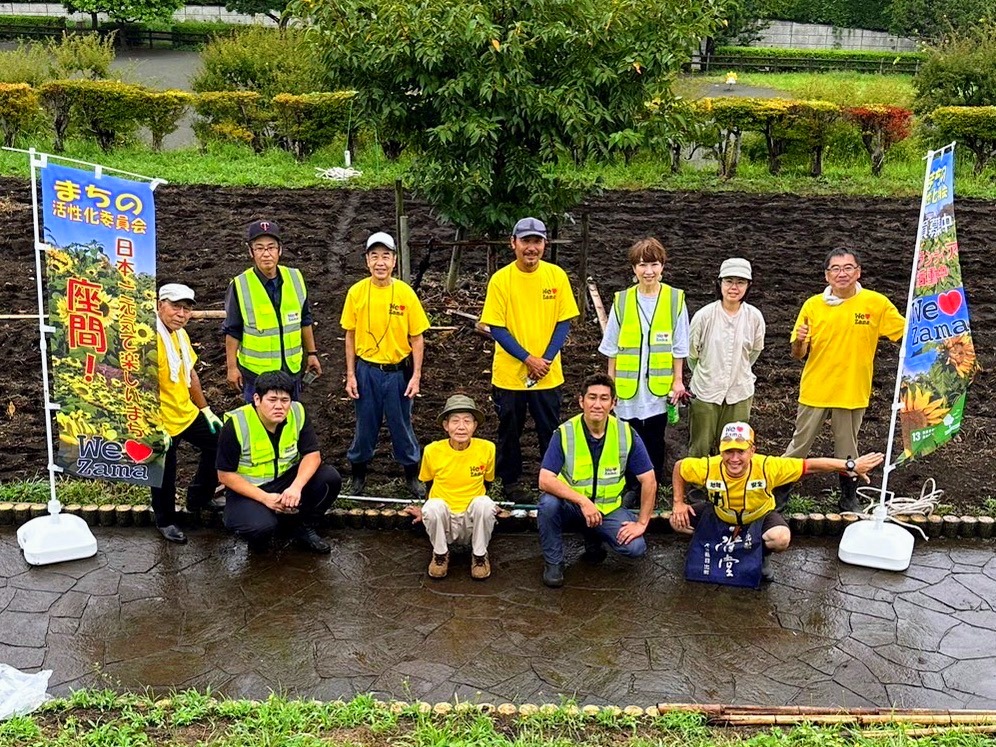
[142,613]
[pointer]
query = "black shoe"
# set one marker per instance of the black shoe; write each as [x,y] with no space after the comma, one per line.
[849,502]
[553,575]
[514,493]
[307,538]
[594,552]
[782,496]
[173,533]
[415,486]
[767,572]
[357,478]
[258,546]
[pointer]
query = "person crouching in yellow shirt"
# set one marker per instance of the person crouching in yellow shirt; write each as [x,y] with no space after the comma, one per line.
[457,470]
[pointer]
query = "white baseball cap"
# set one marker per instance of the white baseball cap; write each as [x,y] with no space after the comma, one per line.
[383,238]
[176,292]
[736,267]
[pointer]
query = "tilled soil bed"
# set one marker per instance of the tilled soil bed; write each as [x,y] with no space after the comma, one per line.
[199,233]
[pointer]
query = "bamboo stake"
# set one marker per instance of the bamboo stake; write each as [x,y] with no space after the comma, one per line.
[932,731]
[596,301]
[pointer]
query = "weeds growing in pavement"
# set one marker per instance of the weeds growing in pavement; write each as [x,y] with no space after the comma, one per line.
[72,490]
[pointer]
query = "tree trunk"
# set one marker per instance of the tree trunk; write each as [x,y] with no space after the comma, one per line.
[816,164]
[675,149]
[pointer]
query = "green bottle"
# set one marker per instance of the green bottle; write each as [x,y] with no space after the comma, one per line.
[672,413]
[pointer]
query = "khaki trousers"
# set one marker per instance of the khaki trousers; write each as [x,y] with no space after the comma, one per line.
[706,421]
[473,526]
[844,425]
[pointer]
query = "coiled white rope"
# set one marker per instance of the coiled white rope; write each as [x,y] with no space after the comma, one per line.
[896,505]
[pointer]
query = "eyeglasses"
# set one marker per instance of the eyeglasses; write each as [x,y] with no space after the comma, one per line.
[738,282]
[265,249]
[838,269]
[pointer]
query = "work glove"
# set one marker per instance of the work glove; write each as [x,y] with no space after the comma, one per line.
[214,422]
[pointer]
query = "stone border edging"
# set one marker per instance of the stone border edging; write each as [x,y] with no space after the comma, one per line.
[806,525]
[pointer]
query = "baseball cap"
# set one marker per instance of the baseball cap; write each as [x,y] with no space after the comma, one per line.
[529,227]
[263,228]
[176,292]
[736,436]
[461,403]
[736,267]
[383,238]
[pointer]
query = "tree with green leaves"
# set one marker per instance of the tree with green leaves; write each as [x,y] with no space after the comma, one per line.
[960,70]
[492,96]
[934,19]
[272,9]
[126,11]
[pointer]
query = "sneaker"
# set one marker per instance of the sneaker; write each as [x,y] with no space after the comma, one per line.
[480,567]
[439,566]
[767,572]
[307,538]
[594,552]
[553,575]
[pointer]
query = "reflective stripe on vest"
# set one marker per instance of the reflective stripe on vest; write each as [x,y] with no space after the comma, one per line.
[270,339]
[578,471]
[660,363]
[756,499]
[257,462]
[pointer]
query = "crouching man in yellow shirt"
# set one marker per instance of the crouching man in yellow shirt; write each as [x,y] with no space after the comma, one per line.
[456,470]
[740,484]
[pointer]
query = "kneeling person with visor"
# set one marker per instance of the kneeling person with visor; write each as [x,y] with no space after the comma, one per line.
[740,484]
[458,470]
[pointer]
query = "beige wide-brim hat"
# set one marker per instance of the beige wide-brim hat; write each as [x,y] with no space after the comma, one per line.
[461,403]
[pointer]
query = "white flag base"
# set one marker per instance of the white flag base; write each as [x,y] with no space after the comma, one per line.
[56,538]
[877,544]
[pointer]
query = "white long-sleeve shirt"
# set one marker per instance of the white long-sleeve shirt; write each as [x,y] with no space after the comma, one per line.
[722,350]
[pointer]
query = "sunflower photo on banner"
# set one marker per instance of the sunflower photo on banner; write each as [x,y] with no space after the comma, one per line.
[939,357]
[100,263]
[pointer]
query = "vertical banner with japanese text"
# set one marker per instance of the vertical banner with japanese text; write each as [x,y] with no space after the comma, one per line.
[939,357]
[101,277]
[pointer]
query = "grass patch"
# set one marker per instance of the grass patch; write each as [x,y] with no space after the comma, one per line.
[845,88]
[71,490]
[101,718]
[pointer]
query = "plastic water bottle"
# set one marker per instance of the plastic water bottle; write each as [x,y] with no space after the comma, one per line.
[673,416]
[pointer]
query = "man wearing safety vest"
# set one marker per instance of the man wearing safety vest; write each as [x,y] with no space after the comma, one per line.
[740,485]
[582,478]
[269,461]
[646,342]
[268,324]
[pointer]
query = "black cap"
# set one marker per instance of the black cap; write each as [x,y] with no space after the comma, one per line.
[263,228]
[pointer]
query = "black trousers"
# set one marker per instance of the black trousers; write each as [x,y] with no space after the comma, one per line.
[201,490]
[255,522]
[651,432]
[511,406]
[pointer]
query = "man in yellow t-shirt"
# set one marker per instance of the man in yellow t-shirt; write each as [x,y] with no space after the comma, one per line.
[837,332]
[384,323]
[740,485]
[529,305]
[458,470]
[184,411]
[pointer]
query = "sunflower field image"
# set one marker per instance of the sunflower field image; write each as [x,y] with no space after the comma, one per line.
[103,347]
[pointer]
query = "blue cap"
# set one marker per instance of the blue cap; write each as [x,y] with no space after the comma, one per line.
[263,228]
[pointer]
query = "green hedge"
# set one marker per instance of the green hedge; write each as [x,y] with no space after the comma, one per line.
[808,54]
[971,126]
[49,22]
[776,59]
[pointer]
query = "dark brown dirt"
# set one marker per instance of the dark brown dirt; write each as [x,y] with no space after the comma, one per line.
[784,236]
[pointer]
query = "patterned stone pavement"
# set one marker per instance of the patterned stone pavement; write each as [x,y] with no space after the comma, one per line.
[143,614]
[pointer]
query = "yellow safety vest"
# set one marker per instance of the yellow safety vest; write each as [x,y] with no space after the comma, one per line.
[270,339]
[744,506]
[257,462]
[660,366]
[578,470]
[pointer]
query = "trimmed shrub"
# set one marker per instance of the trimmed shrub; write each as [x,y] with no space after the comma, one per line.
[89,55]
[973,127]
[161,112]
[105,111]
[727,119]
[260,59]
[814,123]
[309,121]
[881,127]
[29,62]
[57,102]
[234,116]
[20,110]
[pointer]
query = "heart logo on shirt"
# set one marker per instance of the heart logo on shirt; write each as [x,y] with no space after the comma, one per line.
[138,451]
[949,302]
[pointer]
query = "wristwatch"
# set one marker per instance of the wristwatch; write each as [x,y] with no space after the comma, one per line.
[850,465]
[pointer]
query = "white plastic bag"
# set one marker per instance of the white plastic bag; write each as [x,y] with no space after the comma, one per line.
[20,692]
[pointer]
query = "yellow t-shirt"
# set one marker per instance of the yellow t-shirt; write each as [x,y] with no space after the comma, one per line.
[383,319]
[842,344]
[177,409]
[458,476]
[529,305]
[743,499]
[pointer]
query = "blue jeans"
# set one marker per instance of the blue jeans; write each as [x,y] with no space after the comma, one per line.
[556,516]
[382,393]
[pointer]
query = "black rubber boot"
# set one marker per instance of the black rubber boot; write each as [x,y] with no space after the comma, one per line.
[782,496]
[358,478]
[553,575]
[849,502]
[415,486]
